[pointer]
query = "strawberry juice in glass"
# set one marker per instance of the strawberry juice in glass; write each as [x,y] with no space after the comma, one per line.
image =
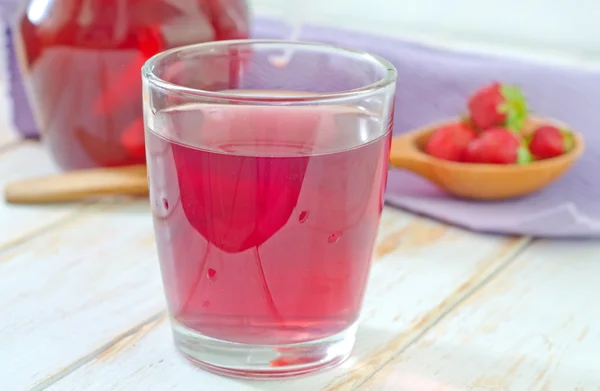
[266,183]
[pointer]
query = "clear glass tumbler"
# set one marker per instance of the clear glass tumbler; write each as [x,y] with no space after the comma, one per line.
[267,166]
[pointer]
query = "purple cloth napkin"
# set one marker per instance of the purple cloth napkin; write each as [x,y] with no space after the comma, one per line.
[433,84]
[22,117]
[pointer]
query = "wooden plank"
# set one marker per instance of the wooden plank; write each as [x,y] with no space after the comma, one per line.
[81,290]
[71,291]
[19,222]
[536,327]
[422,270]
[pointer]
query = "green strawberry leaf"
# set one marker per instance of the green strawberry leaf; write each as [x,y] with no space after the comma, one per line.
[515,107]
[503,108]
[512,92]
[524,156]
[465,119]
[568,140]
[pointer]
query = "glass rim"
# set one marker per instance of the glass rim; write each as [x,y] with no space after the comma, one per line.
[388,78]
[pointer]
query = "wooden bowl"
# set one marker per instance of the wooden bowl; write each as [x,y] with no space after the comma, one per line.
[481,181]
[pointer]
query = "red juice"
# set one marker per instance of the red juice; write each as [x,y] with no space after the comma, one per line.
[266,217]
[82,59]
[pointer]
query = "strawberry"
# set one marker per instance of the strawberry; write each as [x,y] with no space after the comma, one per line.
[450,141]
[497,146]
[549,141]
[498,105]
[132,139]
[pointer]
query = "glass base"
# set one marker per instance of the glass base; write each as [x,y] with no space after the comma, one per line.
[263,361]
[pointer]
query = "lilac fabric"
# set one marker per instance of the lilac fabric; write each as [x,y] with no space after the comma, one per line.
[433,84]
[22,117]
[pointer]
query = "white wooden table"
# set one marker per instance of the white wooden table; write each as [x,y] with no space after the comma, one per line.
[81,305]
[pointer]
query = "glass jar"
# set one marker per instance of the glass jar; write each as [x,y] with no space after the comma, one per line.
[81,61]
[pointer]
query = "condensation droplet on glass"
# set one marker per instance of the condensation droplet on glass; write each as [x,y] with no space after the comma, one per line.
[211,274]
[160,206]
[303,216]
[334,237]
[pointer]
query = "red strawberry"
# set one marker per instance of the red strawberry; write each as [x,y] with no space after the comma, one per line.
[449,141]
[549,141]
[497,146]
[132,139]
[498,105]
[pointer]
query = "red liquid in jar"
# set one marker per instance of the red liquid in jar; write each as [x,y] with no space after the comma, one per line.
[82,61]
[266,217]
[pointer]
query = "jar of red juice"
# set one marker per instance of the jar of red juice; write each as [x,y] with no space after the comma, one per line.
[81,62]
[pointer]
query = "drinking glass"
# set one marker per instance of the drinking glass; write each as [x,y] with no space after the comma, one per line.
[267,164]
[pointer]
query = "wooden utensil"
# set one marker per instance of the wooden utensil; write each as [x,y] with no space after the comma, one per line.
[79,185]
[481,181]
[471,181]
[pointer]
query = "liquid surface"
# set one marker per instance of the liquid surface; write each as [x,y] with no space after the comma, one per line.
[266,218]
[82,61]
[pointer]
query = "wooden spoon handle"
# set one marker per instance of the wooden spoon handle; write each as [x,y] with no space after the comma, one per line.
[78,185]
[132,180]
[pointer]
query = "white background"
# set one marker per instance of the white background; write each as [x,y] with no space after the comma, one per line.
[565,30]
